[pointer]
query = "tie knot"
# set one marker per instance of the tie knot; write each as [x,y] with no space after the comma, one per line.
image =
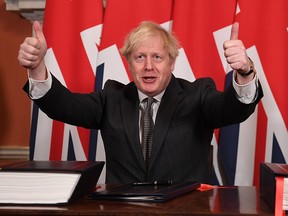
[146,103]
[149,100]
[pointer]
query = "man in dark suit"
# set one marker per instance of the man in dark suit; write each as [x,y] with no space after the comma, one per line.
[184,114]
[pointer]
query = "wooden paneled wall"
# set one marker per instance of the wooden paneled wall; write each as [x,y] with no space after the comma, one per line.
[15,106]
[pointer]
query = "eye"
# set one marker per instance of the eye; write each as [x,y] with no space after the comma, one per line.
[140,57]
[157,57]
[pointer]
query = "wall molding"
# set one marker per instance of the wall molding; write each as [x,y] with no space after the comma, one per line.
[14,153]
[30,9]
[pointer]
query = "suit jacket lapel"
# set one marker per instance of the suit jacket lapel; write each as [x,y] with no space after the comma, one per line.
[169,102]
[130,113]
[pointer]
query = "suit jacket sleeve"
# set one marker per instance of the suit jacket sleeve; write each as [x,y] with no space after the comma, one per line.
[59,103]
[224,108]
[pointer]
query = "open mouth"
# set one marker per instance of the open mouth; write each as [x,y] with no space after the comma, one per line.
[149,79]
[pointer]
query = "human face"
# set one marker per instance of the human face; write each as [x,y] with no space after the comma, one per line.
[151,66]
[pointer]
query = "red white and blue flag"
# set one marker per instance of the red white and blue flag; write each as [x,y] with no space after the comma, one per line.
[72,30]
[264,137]
[202,27]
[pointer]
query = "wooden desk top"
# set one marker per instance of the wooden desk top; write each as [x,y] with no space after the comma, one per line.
[217,201]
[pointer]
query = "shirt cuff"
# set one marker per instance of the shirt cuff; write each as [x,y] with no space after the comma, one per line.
[38,88]
[246,93]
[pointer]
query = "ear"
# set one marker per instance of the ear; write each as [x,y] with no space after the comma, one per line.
[172,66]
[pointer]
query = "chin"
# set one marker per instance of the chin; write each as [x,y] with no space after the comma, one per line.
[148,89]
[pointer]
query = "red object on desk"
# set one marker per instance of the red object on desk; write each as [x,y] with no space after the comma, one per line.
[279,196]
[205,187]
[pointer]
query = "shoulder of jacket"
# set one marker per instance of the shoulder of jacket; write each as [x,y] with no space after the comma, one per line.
[114,84]
[199,81]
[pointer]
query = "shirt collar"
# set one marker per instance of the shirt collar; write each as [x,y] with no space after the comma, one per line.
[143,96]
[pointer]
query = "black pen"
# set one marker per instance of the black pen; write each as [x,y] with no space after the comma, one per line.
[155,183]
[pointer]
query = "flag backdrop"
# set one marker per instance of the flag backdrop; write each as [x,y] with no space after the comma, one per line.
[72,30]
[83,63]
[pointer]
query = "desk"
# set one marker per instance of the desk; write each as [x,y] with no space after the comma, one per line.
[217,201]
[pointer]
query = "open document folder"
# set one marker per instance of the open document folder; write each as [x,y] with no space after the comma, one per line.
[48,182]
[145,192]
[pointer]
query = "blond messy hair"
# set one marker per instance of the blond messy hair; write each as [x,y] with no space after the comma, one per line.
[145,30]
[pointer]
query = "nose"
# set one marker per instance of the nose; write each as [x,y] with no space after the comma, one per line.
[148,64]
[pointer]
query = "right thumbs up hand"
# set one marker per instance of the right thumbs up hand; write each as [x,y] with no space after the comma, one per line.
[32,51]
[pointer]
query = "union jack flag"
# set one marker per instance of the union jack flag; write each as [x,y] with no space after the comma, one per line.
[72,30]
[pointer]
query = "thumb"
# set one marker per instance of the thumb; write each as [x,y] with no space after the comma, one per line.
[40,45]
[234,31]
[38,31]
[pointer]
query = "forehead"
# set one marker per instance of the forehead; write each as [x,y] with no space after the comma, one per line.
[152,42]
